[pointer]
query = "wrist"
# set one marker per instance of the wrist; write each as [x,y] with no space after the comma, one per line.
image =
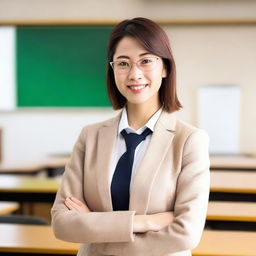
[140,223]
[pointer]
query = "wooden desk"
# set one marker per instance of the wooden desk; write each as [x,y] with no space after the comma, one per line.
[233,182]
[232,211]
[221,181]
[233,186]
[233,162]
[47,164]
[8,207]
[40,239]
[21,168]
[20,184]
[33,239]
[58,161]
[20,188]
[226,243]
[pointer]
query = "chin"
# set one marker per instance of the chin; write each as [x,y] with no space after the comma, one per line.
[138,102]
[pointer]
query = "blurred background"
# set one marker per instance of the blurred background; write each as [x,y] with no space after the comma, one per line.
[213,42]
[52,83]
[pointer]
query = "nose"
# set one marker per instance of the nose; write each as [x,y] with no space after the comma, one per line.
[134,73]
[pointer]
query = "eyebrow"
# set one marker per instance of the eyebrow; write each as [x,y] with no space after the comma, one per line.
[127,57]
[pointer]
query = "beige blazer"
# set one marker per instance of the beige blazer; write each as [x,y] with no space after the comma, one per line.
[173,176]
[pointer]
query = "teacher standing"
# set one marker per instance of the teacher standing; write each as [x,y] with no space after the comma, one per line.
[137,184]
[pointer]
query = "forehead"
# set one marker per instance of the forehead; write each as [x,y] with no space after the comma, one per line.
[130,47]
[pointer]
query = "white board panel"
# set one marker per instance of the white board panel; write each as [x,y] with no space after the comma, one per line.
[7,68]
[219,115]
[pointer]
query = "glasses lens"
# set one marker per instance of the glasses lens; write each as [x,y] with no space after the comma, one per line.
[124,66]
[147,64]
[121,66]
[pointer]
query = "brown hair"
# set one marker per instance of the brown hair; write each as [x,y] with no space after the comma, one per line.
[153,38]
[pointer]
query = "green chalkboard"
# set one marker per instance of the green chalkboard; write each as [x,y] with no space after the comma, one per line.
[61,66]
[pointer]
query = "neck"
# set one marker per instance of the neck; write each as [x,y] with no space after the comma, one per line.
[139,114]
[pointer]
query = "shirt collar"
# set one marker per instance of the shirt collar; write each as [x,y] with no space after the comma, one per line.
[123,124]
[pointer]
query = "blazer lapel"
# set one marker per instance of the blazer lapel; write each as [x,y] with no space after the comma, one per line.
[147,171]
[106,144]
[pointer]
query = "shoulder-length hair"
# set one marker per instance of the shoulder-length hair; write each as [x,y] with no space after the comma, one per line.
[153,38]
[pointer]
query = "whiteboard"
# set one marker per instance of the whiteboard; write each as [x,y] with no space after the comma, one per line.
[7,68]
[219,115]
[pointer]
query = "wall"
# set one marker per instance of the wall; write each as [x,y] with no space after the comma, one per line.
[30,134]
[225,55]
[220,54]
[116,9]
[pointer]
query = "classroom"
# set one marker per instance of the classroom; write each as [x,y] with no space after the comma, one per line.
[53,59]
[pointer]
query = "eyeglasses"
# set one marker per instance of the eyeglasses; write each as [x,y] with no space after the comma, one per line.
[144,64]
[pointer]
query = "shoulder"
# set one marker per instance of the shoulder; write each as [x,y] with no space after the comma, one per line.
[184,133]
[191,134]
[189,129]
[181,129]
[195,141]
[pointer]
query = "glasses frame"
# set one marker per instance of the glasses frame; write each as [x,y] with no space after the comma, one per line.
[133,62]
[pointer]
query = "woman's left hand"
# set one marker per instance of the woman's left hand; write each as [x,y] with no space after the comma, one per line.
[73,203]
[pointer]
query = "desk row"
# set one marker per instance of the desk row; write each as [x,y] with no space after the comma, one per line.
[219,211]
[221,181]
[40,239]
[51,164]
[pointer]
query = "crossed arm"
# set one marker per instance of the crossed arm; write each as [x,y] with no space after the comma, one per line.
[141,223]
[134,234]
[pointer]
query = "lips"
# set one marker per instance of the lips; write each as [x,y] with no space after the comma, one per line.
[137,87]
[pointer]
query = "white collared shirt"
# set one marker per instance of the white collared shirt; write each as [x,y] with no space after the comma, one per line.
[120,146]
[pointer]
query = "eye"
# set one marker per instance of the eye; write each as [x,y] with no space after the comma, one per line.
[146,61]
[123,64]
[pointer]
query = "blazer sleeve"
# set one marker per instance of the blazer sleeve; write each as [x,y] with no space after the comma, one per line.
[190,206]
[93,227]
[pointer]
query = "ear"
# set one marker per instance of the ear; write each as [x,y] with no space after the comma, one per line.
[164,72]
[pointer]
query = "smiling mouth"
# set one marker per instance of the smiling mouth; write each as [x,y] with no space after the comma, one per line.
[137,87]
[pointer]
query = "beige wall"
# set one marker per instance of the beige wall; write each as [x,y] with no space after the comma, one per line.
[213,55]
[205,54]
[120,9]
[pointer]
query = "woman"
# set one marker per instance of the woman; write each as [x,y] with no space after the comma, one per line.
[118,198]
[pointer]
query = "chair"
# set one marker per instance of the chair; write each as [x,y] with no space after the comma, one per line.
[22,219]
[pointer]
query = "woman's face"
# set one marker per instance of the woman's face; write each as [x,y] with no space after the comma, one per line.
[140,82]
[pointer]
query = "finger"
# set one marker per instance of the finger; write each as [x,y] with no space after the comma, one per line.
[73,204]
[75,200]
[69,206]
[80,203]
